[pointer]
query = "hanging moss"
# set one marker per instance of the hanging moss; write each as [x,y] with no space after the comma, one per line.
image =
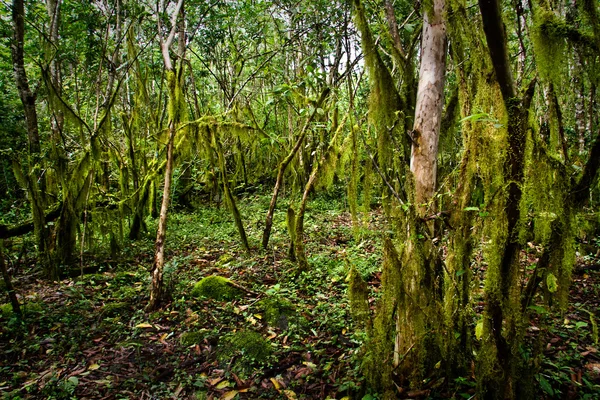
[379,348]
[358,294]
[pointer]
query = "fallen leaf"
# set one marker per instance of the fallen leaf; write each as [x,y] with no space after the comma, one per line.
[223,385]
[213,382]
[93,367]
[229,395]
[276,384]
[290,394]
[143,325]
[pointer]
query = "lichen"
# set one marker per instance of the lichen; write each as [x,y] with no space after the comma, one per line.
[215,287]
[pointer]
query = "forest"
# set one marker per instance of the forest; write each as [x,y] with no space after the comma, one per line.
[299,199]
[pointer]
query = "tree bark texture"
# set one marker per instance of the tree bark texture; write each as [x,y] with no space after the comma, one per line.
[430,103]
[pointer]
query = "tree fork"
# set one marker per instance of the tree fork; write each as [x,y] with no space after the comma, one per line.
[283,166]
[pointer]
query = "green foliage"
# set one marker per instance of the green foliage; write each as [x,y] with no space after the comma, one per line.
[215,287]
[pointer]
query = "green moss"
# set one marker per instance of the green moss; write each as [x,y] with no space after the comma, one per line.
[276,312]
[6,310]
[114,309]
[246,349]
[358,294]
[191,338]
[215,287]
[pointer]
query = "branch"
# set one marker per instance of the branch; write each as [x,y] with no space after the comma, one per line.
[7,231]
[493,27]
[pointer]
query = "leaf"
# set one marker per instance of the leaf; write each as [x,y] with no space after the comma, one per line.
[545,385]
[229,395]
[276,384]
[93,367]
[223,385]
[144,325]
[73,380]
[471,209]
[538,309]
[290,394]
[552,283]
[479,330]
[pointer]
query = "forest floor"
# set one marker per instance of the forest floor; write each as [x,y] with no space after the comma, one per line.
[283,335]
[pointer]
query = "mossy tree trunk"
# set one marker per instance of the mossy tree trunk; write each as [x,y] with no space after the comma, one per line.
[32,180]
[174,84]
[502,334]
[10,289]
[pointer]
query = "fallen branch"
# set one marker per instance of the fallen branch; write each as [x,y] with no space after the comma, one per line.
[7,231]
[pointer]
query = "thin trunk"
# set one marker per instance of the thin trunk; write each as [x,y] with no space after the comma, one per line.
[156,291]
[174,87]
[12,294]
[28,98]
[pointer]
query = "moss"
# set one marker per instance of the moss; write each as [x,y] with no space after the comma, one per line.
[6,310]
[276,312]
[114,309]
[244,350]
[358,294]
[191,338]
[215,287]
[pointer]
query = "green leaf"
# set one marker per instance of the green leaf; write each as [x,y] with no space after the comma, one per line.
[538,309]
[551,283]
[73,380]
[479,330]
[471,209]
[545,385]
[461,272]
[581,324]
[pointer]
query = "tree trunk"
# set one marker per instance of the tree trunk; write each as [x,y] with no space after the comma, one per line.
[12,295]
[174,87]
[161,233]
[430,103]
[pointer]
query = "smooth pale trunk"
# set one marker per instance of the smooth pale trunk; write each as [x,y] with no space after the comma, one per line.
[429,106]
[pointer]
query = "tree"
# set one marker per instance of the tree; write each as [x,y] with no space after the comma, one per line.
[175,108]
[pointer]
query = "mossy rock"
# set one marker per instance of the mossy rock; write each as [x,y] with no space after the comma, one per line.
[253,348]
[276,312]
[191,338]
[217,288]
[114,309]
[6,310]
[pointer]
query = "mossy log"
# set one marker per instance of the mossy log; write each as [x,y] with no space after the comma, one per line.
[8,231]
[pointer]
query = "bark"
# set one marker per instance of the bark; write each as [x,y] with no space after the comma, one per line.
[28,98]
[430,103]
[283,166]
